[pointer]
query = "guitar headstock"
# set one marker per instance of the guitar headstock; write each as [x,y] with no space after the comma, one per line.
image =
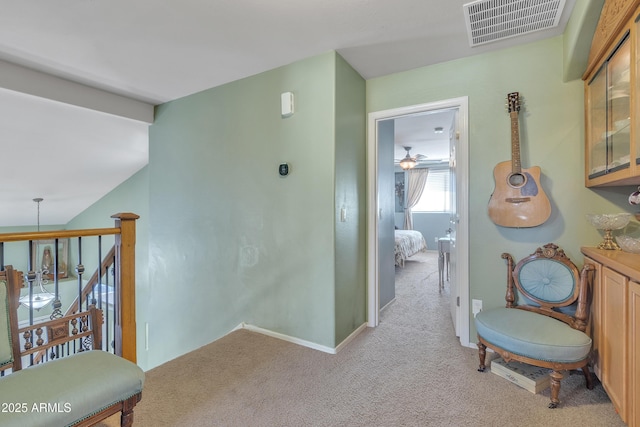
[513,102]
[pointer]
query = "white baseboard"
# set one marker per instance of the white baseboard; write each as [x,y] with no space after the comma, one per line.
[388,304]
[351,337]
[299,341]
[472,345]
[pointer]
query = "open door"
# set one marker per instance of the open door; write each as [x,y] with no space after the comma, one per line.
[453,225]
[386,212]
[459,252]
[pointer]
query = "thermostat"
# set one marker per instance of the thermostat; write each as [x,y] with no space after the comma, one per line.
[283,169]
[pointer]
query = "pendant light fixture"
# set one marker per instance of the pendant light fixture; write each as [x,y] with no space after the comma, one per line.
[37,276]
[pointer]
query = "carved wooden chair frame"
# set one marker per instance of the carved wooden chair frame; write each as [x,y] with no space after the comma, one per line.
[577,321]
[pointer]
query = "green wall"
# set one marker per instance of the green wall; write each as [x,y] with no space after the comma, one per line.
[552,137]
[577,37]
[130,196]
[222,239]
[350,194]
[230,240]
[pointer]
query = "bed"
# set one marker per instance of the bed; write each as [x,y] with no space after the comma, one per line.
[408,243]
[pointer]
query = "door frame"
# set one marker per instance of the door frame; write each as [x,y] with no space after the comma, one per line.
[462,195]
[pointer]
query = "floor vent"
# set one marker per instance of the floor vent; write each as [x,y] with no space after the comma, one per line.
[493,20]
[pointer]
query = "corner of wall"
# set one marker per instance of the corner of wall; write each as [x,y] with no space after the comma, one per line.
[578,36]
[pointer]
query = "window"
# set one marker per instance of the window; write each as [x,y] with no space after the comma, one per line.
[436,196]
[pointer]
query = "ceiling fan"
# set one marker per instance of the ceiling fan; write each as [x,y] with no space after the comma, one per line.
[409,162]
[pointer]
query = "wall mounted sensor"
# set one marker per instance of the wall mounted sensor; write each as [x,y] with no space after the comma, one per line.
[286,104]
[283,169]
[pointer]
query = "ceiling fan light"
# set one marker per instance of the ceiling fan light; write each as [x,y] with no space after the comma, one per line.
[408,163]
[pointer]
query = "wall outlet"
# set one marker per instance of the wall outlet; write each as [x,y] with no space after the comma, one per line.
[476,306]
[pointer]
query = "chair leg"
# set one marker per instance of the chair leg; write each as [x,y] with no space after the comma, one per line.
[126,418]
[587,377]
[556,377]
[482,354]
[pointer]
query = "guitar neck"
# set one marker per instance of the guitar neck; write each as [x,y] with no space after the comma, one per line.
[516,166]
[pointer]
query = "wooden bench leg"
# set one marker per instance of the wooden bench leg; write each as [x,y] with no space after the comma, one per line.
[556,377]
[482,354]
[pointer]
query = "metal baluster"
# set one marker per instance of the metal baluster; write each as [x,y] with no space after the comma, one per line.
[107,314]
[31,276]
[56,313]
[57,305]
[93,300]
[80,272]
[100,284]
[116,300]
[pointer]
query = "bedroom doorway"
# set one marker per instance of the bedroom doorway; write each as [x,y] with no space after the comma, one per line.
[380,126]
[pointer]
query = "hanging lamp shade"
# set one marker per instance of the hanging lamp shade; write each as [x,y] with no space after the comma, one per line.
[408,162]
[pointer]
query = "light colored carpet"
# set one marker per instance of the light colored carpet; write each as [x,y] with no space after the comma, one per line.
[409,371]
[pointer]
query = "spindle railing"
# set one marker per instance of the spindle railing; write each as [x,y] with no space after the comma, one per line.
[113,271]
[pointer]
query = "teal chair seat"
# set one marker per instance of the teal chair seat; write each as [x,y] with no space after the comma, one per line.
[66,391]
[531,335]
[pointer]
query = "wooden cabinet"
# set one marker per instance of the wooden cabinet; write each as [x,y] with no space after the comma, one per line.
[594,327]
[612,150]
[615,328]
[634,351]
[614,337]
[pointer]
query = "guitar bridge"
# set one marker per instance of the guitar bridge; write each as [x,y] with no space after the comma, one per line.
[517,199]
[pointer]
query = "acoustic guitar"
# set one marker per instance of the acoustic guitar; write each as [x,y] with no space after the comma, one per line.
[518,200]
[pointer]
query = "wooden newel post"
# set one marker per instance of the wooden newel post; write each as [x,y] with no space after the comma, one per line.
[125,316]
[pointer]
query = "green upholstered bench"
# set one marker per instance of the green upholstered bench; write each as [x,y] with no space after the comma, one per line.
[80,389]
[544,321]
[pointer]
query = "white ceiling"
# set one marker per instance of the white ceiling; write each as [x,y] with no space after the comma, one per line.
[418,131]
[155,52]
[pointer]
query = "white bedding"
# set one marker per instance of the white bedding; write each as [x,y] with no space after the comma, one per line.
[408,243]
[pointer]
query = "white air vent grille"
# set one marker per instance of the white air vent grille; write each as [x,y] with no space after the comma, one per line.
[493,20]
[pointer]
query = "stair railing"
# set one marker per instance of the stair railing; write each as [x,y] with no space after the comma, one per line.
[118,264]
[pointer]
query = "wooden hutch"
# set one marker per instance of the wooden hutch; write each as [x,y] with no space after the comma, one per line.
[612,158]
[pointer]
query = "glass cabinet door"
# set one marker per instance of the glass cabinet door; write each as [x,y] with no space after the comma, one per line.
[619,120]
[636,117]
[597,141]
[609,114]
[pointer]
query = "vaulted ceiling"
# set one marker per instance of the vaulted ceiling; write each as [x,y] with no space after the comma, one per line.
[78,77]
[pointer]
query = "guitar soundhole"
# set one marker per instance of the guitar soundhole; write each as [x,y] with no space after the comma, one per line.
[517,180]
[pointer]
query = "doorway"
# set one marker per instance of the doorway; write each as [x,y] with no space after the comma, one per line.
[376,212]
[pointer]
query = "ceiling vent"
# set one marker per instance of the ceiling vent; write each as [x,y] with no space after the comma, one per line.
[493,20]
